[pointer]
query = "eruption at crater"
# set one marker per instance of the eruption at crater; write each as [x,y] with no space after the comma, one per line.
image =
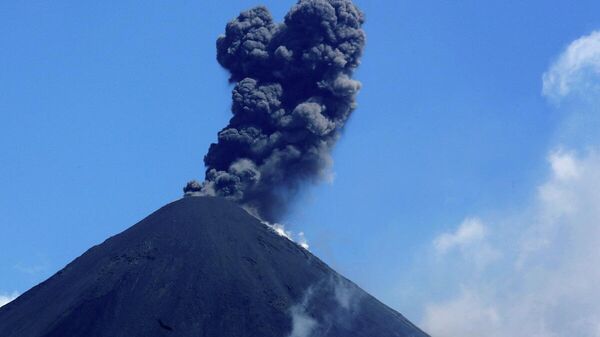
[293,94]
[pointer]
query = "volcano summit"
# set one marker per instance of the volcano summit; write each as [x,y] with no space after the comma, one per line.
[200,266]
[203,265]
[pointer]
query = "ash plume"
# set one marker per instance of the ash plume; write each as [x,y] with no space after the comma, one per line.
[293,94]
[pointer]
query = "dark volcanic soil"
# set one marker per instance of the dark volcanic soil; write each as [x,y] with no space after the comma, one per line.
[199,267]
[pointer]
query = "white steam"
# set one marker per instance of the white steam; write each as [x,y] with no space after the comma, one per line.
[303,325]
[341,291]
[298,238]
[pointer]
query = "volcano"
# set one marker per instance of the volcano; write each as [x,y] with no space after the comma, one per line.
[200,266]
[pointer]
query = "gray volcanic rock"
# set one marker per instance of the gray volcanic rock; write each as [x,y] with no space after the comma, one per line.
[199,266]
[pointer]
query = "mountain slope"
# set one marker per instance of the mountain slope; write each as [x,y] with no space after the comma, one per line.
[199,267]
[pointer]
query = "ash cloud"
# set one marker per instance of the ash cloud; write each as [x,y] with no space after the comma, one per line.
[293,94]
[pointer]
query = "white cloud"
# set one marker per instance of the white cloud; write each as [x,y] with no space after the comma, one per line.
[7,298]
[576,70]
[469,232]
[563,165]
[548,283]
[470,241]
[448,318]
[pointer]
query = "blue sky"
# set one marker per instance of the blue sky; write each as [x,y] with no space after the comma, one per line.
[107,109]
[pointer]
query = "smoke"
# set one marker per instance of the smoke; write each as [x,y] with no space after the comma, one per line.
[293,94]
